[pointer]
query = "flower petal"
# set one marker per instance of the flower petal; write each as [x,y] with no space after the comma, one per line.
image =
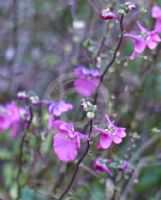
[117,139]
[86,87]
[142,29]
[140,43]
[64,147]
[156,12]
[152,44]
[134,55]
[105,141]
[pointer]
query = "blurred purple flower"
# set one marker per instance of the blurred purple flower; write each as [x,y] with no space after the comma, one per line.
[107,14]
[66,141]
[106,165]
[146,39]
[57,109]
[11,116]
[4,119]
[123,166]
[156,13]
[110,134]
[100,165]
[87,80]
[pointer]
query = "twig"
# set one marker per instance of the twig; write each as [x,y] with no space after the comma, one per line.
[112,60]
[145,146]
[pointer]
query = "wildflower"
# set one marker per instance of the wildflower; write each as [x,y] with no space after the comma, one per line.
[156,13]
[107,14]
[100,165]
[123,166]
[4,120]
[11,116]
[15,116]
[145,39]
[57,109]
[66,141]
[129,6]
[110,134]
[87,80]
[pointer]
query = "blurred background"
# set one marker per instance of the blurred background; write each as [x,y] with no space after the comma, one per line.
[40,42]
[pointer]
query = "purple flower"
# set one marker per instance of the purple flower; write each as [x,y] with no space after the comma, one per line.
[156,13]
[4,119]
[87,80]
[15,115]
[110,134]
[57,109]
[107,14]
[100,165]
[123,166]
[146,39]
[11,116]
[66,141]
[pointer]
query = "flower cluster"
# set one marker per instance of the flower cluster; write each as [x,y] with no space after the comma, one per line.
[66,141]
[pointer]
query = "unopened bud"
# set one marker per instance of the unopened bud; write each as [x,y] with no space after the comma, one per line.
[107,14]
[130,6]
[90,115]
[22,95]
[34,99]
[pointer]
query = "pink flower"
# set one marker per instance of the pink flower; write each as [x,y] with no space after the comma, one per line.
[106,165]
[107,14]
[100,165]
[15,115]
[66,141]
[4,119]
[11,116]
[146,39]
[123,166]
[57,109]
[156,13]
[110,134]
[87,80]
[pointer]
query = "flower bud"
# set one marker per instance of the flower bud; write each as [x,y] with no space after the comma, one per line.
[107,14]
[22,95]
[89,108]
[90,115]
[130,6]
[34,99]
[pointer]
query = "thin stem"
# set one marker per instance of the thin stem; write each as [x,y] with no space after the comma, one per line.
[21,150]
[112,60]
[78,163]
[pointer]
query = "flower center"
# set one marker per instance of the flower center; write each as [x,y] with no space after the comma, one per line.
[110,130]
[145,35]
